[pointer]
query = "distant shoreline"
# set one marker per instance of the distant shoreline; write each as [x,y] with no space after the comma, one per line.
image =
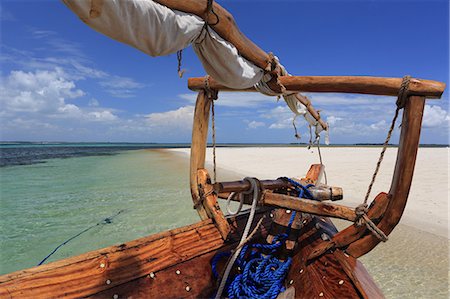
[186,145]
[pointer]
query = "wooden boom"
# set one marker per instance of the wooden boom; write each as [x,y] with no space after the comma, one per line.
[224,24]
[344,84]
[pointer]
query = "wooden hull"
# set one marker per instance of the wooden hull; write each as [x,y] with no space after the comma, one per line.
[177,264]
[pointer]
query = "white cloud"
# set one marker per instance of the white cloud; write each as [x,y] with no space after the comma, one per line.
[120,87]
[93,103]
[102,116]
[180,118]
[281,117]
[43,95]
[435,116]
[39,91]
[332,120]
[255,124]
[349,100]
[236,99]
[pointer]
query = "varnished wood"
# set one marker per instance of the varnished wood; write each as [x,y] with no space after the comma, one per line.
[327,276]
[209,200]
[345,84]
[282,217]
[226,27]
[353,232]
[89,273]
[319,192]
[198,148]
[358,275]
[403,174]
[308,206]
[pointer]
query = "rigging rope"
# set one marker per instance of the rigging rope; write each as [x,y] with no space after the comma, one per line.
[213,129]
[256,195]
[211,94]
[107,220]
[361,210]
[261,274]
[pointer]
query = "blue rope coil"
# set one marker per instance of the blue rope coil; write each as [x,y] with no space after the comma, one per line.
[261,275]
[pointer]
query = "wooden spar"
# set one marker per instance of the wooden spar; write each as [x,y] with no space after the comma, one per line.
[210,203]
[352,233]
[344,84]
[319,192]
[307,103]
[305,205]
[308,206]
[281,217]
[223,24]
[198,148]
[403,174]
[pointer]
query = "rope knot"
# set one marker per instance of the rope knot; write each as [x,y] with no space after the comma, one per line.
[211,94]
[403,92]
[360,211]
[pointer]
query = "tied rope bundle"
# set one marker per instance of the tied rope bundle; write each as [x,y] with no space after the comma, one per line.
[261,273]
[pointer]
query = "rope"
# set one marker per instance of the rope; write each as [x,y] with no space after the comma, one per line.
[241,203]
[107,220]
[361,210]
[211,94]
[213,127]
[209,10]
[256,196]
[261,274]
[303,191]
[403,94]
[179,59]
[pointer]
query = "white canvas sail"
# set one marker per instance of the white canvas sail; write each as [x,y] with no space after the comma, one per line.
[158,30]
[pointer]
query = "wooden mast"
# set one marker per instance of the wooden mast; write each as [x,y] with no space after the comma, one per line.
[198,148]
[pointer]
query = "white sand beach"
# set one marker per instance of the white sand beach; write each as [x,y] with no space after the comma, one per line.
[351,168]
[414,262]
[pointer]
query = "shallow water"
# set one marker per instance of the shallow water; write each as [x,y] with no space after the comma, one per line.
[411,264]
[44,204]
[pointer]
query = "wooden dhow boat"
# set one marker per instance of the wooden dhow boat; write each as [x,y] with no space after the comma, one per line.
[286,237]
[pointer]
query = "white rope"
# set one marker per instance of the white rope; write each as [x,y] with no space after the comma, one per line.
[241,203]
[256,195]
[290,98]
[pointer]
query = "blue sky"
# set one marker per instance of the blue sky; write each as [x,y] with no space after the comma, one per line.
[62,81]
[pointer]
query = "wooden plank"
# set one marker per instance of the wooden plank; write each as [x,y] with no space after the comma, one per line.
[308,206]
[210,203]
[225,26]
[102,269]
[359,275]
[198,148]
[190,279]
[325,277]
[403,174]
[353,232]
[344,84]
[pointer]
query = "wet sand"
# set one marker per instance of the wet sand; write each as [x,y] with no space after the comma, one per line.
[414,263]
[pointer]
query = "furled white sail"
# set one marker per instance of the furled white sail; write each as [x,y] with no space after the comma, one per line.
[158,30]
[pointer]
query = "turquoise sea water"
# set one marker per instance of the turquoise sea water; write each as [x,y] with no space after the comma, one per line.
[44,204]
[61,191]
